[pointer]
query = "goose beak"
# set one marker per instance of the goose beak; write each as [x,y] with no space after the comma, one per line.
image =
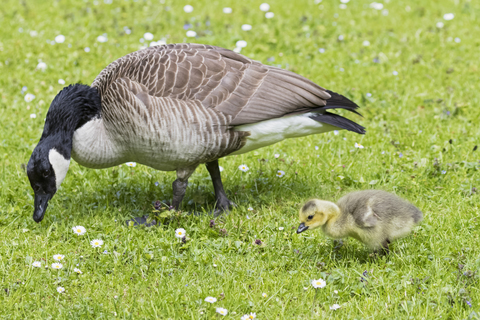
[302,227]
[41,203]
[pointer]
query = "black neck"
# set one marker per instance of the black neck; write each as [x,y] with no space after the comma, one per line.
[74,106]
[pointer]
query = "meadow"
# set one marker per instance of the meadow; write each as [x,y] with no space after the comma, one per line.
[412,66]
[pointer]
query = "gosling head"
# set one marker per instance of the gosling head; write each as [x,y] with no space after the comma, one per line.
[315,213]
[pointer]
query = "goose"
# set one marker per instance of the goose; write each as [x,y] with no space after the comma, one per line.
[174,107]
[374,217]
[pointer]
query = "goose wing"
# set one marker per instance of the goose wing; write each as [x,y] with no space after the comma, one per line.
[244,90]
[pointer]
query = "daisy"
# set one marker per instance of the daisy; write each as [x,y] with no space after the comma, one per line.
[366,43]
[41,66]
[180,233]
[321,50]
[376,5]
[252,315]
[61,81]
[191,34]
[335,132]
[440,25]
[131,164]
[395,73]
[58,257]
[79,230]
[281,228]
[269,15]
[246,27]
[86,49]
[222,311]
[37,264]
[243,168]
[250,209]
[280,173]
[29,97]
[320,283]
[97,243]
[211,299]
[60,289]
[188,8]
[358,145]
[241,43]
[335,307]
[264,295]
[276,155]
[448,16]
[60,38]
[33,116]
[265,7]
[57,266]
[148,36]
[77,271]
[227,10]
[102,39]
[237,49]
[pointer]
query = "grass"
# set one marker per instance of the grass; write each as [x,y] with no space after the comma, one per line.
[422,134]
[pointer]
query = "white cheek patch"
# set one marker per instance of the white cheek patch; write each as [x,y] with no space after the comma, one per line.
[59,165]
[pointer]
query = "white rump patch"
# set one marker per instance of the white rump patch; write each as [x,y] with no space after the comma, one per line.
[60,166]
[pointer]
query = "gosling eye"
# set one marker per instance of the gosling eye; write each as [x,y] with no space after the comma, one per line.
[310,217]
[46,173]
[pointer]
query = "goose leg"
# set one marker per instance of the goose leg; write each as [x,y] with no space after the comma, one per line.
[222,202]
[180,186]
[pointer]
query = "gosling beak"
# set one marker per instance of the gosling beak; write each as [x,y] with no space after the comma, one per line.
[41,203]
[302,227]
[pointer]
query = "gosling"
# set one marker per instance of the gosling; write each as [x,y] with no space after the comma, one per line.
[373,217]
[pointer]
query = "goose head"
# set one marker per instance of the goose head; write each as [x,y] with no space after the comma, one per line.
[46,170]
[316,213]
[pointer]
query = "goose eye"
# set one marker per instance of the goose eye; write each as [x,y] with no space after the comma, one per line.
[310,217]
[46,173]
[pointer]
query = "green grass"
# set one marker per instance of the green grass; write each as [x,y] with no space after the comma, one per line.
[422,129]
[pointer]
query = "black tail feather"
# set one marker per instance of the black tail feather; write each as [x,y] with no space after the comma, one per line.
[339,101]
[338,121]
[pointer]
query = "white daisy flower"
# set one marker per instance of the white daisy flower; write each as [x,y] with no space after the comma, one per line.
[335,291]
[335,132]
[60,289]
[252,315]
[280,173]
[180,233]
[33,33]
[77,270]
[276,155]
[211,299]
[97,243]
[61,81]
[250,209]
[102,39]
[265,7]
[440,25]
[320,283]
[368,94]
[33,116]
[222,311]
[246,27]
[241,43]
[342,6]
[29,97]
[188,8]
[358,145]
[457,40]
[57,265]
[86,49]
[131,164]
[148,36]
[376,5]
[281,228]
[42,66]
[227,10]
[60,38]
[335,307]
[37,264]
[191,34]
[366,43]
[344,1]
[448,16]
[269,15]
[79,230]
[237,49]
[395,73]
[243,168]
[321,50]
[264,295]
[58,257]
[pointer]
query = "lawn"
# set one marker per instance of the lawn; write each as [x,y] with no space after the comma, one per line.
[413,69]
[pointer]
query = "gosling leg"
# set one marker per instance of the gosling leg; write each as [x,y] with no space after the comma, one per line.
[385,250]
[222,203]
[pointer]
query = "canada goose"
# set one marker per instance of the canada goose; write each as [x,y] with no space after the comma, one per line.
[174,107]
[373,217]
